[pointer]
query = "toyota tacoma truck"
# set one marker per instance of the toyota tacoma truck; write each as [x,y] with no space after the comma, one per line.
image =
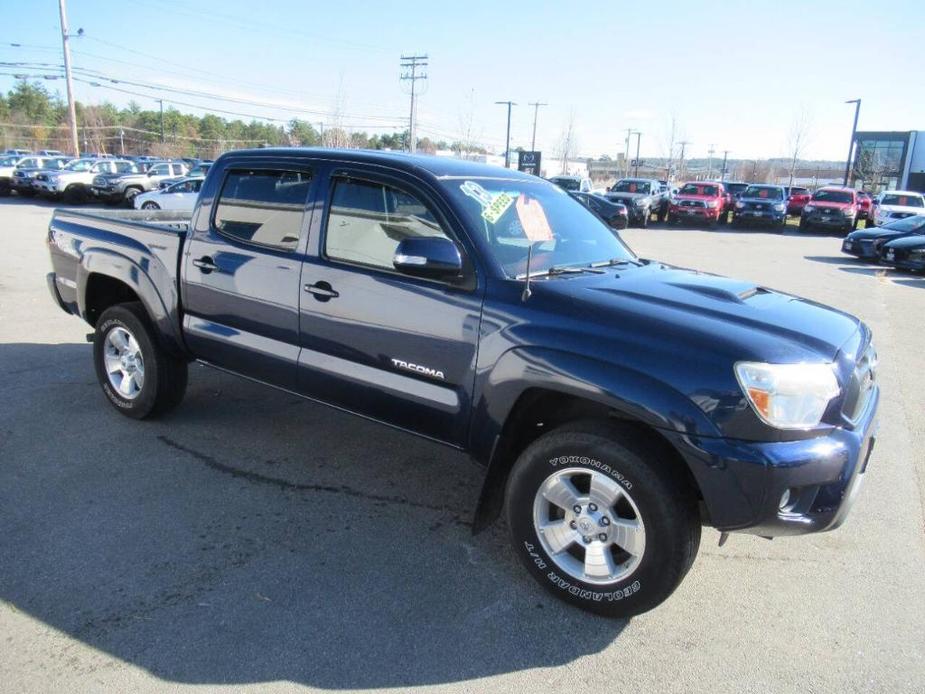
[698,202]
[643,197]
[617,403]
[831,207]
[123,186]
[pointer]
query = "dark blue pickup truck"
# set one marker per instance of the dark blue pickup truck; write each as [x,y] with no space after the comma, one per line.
[618,404]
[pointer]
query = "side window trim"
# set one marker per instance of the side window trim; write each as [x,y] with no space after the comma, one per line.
[260,166]
[339,175]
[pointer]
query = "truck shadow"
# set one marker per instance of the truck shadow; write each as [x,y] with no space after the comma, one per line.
[251,536]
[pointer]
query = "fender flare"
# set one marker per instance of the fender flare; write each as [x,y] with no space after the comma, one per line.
[634,395]
[101,261]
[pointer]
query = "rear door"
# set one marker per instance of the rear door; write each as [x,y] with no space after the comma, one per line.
[241,270]
[392,347]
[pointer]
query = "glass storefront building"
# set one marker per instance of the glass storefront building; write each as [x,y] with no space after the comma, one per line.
[889,160]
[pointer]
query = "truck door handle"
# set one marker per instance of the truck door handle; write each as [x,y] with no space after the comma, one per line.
[322,291]
[205,263]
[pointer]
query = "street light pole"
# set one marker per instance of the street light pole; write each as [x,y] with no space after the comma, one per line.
[636,168]
[725,155]
[854,129]
[507,141]
[162,119]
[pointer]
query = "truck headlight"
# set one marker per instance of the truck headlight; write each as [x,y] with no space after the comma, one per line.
[740,205]
[808,208]
[780,207]
[848,211]
[788,396]
[53,180]
[711,204]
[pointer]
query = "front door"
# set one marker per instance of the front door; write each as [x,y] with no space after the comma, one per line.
[241,270]
[395,348]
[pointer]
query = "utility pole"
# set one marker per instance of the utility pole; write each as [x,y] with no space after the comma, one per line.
[321,125]
[162,120]
[636,168]
[410,65]
[536,107]
[71,107]
[507,140]
[854,129]
[122,141]
[681,160]
[725,155]
[710,163]
[626,153]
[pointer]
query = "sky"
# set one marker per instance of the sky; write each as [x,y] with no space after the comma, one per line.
[732,75]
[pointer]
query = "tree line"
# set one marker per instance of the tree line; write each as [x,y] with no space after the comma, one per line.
[31,117]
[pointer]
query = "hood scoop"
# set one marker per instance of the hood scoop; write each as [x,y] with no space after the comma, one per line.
[720,292]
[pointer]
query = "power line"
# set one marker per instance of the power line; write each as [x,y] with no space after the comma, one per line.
[410,65]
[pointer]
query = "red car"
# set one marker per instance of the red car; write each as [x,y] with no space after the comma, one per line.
[831,207]
[700,201]
[797,197]
[865,202]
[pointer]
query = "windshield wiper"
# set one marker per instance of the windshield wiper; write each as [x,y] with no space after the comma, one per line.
[557,270]
[616,261]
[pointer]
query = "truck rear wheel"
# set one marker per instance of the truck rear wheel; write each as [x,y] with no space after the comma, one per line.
[602,520]
[136,374]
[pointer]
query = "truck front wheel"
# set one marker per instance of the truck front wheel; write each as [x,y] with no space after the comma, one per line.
[136,374]
[602,520]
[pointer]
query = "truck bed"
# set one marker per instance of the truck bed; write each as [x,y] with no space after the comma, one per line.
[140,247]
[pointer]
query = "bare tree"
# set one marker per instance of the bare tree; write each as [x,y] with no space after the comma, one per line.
[673,135]
[798,139]
[466,143]
[568,142]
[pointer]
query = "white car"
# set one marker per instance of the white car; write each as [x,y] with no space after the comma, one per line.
[891,205]
[178,196]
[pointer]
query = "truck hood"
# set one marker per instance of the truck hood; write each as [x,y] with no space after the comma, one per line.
[702,198]
[901,208]
[741,319]
[626,197]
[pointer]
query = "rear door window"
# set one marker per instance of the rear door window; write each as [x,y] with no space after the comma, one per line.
[263,207]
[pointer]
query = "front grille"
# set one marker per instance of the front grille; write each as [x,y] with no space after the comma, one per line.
[692,203]
[757,206]
[861,385]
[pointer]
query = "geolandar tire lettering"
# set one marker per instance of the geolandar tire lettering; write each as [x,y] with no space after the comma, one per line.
[602,519]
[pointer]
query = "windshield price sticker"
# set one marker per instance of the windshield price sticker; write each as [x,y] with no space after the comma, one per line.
[533,219]
[492,206]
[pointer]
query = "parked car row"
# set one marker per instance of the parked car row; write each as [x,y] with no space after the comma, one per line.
[899,243]
[76,180]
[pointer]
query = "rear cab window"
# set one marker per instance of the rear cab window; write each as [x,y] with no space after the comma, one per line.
[263,207]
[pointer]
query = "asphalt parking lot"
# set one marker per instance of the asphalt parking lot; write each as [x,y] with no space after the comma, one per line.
[254,540]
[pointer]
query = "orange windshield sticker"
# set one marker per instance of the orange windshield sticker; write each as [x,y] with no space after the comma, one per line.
[533,219]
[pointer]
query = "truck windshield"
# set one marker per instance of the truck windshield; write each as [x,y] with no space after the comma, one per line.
[631,187]
[567,183]
[902,200]
[764,193]
[79,165]
[511,215]
[698,189]
[832,196]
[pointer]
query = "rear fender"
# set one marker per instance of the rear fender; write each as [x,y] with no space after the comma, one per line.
[150,291]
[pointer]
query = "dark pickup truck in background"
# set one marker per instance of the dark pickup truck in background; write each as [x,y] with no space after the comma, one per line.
[617,403]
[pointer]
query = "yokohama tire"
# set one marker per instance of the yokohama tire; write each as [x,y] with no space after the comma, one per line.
[660,498]
[164,376]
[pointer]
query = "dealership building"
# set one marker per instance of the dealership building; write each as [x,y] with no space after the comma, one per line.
[889,160]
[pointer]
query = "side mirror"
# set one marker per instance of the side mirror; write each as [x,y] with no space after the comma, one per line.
[435,257]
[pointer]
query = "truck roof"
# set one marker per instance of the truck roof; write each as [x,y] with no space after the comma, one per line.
[439,167]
